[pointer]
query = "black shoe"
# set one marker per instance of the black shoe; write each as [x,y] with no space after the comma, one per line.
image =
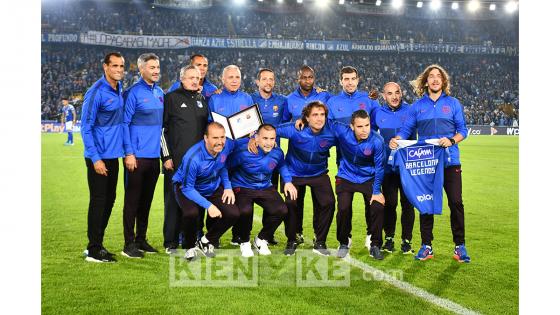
[389,245]
[321,249]
[143,246]
[299,238]
[273,241]
[206,248]
[108,252]
[290,248]
[236,240]
[131,251]
[343,250]
[406,247]
[375,253]
[101,256]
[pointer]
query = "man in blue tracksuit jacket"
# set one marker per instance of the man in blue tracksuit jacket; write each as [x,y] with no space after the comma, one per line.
[102,134]
[143,117]
[295,103]
[438,115]
[308,152]
[201,63]
[271,106]
[343,105]
[303,95]
[202,182]
[231,100]
[251,181]
[362,159]
[388,120]
[350,99]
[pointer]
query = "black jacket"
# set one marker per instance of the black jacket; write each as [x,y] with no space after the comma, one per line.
[185,116]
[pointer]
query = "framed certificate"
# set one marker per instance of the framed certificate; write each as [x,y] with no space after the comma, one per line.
[242,123]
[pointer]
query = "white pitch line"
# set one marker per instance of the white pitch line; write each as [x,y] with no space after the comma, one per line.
[409,288]
[405,286]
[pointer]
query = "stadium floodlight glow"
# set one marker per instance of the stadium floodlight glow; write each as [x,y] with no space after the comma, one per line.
[321,3]
[511,6]
[378,2]
[473,5]
[239,2]
[397,4]
[341,2]
[299,1]
[419,4]
[435,5]
[280,1]
[455,6]
[492,7]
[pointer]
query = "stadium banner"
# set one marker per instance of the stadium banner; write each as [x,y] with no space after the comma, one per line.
[59,38]
[53,126]
[477,130]
[328,45]
[182,42]
[254,43]
[434,48]
[135,41]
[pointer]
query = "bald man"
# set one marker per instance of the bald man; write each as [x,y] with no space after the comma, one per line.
[388,120]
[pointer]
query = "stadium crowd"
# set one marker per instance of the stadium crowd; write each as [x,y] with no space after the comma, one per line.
[482,83]
[303,24]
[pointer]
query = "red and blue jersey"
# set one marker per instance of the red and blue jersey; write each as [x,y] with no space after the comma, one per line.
[102,121]
[254,171]
[200,174]
[272,108]
[442,118]
[143,119]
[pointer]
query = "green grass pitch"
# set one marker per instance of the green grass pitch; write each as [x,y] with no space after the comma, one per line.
[489,284]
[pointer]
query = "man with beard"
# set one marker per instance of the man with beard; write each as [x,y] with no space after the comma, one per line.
[202,182]
[438,115]
[388,120]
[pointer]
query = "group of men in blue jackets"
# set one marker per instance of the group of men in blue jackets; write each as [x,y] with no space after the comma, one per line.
[208,174]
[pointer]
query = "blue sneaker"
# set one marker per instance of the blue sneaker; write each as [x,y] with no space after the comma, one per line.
[461,255]
[424,253]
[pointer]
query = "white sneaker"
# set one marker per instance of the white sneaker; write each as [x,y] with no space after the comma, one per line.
[368,241]
[190,254]
[246,250]
[349,242]
[262,246]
